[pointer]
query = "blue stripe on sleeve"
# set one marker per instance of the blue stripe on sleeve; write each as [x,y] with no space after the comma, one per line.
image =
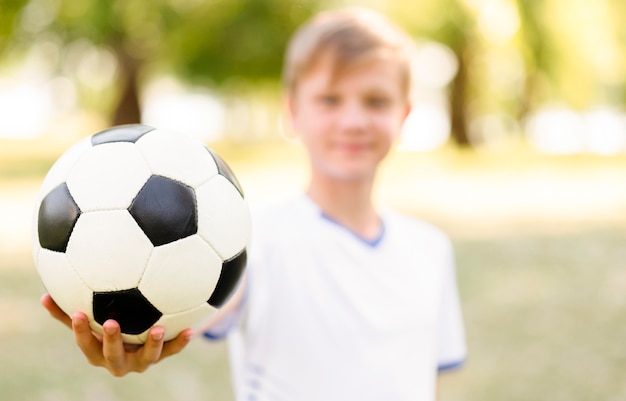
[211,336]
[446,367]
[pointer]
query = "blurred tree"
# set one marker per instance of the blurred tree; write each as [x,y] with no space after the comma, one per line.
[234,39]
[451,23]
[223,41]
[618,8]
[578,50]
[9,13]
[538,51]
[457,32]
[205,41]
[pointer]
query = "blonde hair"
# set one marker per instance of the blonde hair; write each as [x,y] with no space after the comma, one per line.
[350,36]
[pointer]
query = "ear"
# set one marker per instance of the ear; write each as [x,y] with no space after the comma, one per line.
[290,112]
[404,115]
[289,123]
[407,111]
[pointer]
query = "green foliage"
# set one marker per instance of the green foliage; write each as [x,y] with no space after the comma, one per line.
[136,26]
[217,39]
[536,44]
[212,40]
[234,39]
[9,20]
[557,51]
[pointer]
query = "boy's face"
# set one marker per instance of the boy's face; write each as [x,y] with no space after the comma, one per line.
[349,120]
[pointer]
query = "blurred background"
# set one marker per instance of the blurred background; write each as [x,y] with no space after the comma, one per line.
[515,147]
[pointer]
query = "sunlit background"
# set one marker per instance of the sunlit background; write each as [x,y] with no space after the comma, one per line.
[515,146]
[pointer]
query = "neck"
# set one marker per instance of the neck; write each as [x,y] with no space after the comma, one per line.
[347,202]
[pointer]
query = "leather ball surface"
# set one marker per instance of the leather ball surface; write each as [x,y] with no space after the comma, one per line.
[141,225]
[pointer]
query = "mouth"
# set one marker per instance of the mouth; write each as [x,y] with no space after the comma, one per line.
[352,147]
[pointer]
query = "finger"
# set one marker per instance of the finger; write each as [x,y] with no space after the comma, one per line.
[54,310]
[113,348]
[176,345]
[151,351]
[91,347]
[130,348]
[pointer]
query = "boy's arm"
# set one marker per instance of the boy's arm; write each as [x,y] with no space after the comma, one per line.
[222,321]
[109,350]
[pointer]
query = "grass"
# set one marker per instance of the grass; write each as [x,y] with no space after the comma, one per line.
[544,317]
[540,250]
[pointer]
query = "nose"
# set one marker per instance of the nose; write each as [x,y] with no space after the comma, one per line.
[353,116]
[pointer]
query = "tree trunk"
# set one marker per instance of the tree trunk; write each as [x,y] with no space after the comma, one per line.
[458,101]
[128,110]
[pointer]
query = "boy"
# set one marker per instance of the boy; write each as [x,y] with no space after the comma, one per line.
[341,301]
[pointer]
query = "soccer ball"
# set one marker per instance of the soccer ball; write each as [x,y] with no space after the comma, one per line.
[141,225]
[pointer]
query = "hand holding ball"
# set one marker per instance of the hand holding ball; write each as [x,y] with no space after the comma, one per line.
[141,225]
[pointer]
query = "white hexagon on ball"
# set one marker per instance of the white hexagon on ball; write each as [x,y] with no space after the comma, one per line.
[108,250]
[59,171]
[177,322]
[223,217]
[188,159]
[107,176]
[191,269]
[63,283]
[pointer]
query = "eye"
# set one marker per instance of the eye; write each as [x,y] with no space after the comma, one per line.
[328,100]
[377,102]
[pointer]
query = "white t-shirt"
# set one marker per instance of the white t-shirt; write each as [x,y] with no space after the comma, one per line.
[331,316]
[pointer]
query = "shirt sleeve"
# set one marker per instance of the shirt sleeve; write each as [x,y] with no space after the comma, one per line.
[226,323]
[221,328]
[452,347]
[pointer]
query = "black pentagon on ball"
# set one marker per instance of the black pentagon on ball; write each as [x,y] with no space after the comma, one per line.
[58,213]
[165,210]
[121,133]
[224,170]
[134,313]
[229,277]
